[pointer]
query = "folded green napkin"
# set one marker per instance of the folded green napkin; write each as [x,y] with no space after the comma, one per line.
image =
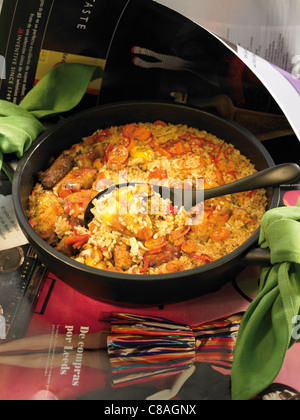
[268,328]
[60,90]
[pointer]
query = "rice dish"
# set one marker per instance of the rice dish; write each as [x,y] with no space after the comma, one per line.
[147,234]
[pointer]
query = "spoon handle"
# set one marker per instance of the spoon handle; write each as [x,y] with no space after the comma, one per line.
[271,177]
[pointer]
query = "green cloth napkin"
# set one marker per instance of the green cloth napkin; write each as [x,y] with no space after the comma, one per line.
[268,329]
[60,90]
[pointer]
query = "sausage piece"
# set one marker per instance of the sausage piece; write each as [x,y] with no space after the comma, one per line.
[57,171]
[122,257]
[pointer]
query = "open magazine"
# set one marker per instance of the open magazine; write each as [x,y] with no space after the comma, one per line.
[53,339]
[148,51]
[266,33]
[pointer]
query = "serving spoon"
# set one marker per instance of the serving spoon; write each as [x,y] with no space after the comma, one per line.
[271,177]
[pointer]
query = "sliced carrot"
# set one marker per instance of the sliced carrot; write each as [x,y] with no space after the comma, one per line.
[175,266]
[179,242]
[155,243]
[219,234]
[118,155]
[178,233]
[136,132]
[161,123]
[189,246]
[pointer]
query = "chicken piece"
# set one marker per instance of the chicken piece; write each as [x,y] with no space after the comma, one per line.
[168,253]
[122,256]
[76,203]
[77,179]
[57,171]
[44,215]
[212,220]
[102,183]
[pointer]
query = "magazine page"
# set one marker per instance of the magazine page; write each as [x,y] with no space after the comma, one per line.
[32,41]
[267,28]
[171,59]
[267,37]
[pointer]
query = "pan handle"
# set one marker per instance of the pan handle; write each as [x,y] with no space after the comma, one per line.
[258,256]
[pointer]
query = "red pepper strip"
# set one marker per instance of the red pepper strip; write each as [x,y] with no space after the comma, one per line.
[97,138]
[193,143]
[108,150]
[203,257]
[163,152]
[250,193]
[191,136]
[146,266]
[196,141]
[136,132]
[103,135]
[172,210]
[159,149]
[220,177]
[233,174]
[77,240]
[217,157]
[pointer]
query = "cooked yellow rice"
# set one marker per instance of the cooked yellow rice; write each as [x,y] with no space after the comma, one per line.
[205,157]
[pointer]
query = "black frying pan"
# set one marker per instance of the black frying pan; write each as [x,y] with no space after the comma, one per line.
[137,289]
